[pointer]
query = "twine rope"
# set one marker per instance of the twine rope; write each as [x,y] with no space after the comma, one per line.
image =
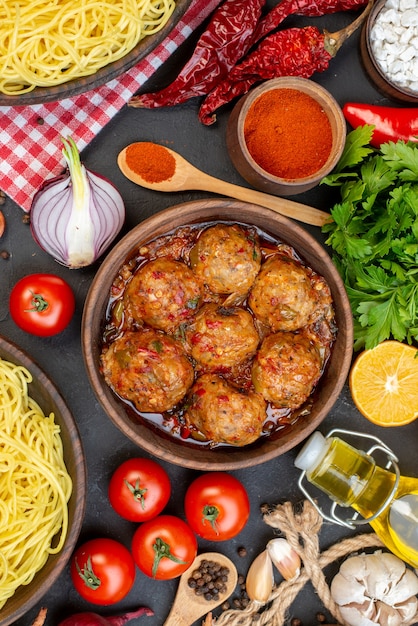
[301,529]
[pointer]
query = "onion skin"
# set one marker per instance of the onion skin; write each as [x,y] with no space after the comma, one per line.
[94,619]
[76,216]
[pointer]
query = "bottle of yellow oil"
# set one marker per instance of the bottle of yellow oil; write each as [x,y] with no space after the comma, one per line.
[351,477]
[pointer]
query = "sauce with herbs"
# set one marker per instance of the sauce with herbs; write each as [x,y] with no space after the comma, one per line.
[180,246]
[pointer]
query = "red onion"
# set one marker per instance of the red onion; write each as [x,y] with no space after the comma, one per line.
[93,619]
[76,216]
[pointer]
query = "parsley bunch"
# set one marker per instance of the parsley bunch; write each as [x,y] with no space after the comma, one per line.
[374,236]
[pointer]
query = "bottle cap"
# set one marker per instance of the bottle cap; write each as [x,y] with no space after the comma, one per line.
[311,452]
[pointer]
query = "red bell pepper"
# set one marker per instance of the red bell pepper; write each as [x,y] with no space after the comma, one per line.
[390,123]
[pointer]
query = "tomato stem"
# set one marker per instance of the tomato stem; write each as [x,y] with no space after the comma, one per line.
[38,303]
[162,549]
[88,576]
[137,492]
[210,514]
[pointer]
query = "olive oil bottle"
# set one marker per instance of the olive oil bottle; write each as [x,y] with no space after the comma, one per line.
[351,477]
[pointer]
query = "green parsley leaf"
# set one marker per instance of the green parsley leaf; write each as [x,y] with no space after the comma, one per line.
[374,237]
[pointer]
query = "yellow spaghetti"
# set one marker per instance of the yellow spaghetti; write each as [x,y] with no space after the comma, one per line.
[34,483]
[49,42]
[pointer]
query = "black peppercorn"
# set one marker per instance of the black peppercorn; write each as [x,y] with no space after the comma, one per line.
[208,580]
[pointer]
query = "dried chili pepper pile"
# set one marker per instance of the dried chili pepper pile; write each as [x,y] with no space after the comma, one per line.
[242,46]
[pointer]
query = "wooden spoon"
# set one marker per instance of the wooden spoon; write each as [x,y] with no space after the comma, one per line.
[188,607]
[187,177]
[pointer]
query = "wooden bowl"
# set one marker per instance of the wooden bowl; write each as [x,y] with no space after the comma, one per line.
[199,212]
[250,170]
[50,400]
[78,86]
[372,67]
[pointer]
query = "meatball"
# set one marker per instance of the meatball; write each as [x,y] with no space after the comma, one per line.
[223,414]
[286,369]
[163,294]
[282,296]
[227,258]
[148,368]
[221,337]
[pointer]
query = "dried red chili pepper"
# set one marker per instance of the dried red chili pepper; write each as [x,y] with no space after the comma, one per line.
[390,123]
[290,52]
[310,8]
[225,41]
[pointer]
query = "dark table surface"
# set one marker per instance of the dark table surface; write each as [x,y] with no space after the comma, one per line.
[60,356]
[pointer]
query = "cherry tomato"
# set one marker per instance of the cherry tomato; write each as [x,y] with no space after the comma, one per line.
[102,571]
[216,506]
[42,304]
[164,547]
[139,489]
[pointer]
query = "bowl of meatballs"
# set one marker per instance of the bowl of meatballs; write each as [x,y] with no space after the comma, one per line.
[217,334]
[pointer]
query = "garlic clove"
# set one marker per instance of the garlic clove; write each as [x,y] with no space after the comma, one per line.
[284,557]
[260,579]
[354,615]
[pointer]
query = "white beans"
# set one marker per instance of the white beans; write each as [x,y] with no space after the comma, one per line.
[394,42]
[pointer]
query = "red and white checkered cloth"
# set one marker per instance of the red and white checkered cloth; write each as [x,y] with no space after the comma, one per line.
[30,152]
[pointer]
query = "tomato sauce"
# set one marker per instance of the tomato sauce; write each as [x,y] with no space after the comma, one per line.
[177,245]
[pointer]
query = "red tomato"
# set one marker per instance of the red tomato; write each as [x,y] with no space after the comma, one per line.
[216,506]
[102,571]
[139,489]
[164,547]
[42,304]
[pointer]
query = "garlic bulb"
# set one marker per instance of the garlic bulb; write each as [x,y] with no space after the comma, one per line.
[375,589]
[284,558]
[260,579]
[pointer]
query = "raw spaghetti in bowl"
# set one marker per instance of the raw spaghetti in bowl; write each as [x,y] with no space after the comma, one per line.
[39,441]
[59,49]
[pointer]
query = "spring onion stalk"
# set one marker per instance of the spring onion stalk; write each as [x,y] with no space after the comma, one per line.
[76,216]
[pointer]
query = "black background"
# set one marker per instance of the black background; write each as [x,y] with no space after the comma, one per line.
[60,356]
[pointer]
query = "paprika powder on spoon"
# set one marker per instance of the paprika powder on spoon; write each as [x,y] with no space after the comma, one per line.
[151,161]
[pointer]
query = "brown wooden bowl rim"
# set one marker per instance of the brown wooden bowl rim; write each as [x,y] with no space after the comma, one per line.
[318,93]
[77,86]
[169,448]
[56,563]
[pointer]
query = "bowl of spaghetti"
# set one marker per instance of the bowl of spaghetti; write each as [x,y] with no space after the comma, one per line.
[42,483]
[76,45]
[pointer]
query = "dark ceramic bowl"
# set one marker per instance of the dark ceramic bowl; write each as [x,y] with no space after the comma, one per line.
[250,170]
[77,86]
[385,85]
[50,400]
[169,448]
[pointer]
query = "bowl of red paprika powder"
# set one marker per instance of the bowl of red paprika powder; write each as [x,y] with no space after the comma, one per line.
[284,136]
